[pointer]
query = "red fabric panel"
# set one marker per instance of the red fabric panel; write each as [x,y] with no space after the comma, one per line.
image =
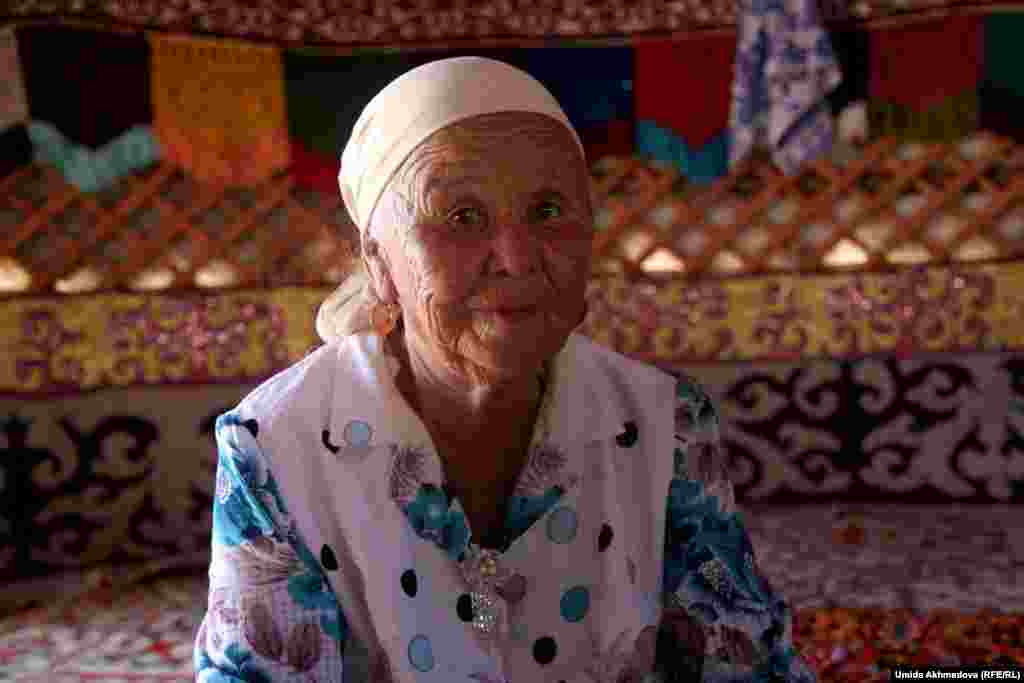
[685,85]
[923,65]
[313,170]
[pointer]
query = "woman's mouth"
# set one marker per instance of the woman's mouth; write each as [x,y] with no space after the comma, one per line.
[512,313]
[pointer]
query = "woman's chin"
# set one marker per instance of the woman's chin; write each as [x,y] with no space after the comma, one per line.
[514,340]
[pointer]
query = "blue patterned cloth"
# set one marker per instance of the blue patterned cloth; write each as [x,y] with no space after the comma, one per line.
[785,69]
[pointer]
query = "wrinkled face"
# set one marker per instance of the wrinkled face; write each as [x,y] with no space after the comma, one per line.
[484,240]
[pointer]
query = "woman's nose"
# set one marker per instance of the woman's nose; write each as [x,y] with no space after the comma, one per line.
[514,251]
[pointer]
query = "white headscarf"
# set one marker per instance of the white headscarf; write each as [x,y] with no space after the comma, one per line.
[405,113]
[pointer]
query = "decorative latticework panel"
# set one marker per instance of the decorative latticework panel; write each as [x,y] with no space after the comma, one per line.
[871,208]
[881,206]
[160,230]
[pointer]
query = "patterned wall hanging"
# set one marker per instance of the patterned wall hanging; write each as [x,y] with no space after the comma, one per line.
[15,147]
[92,86]
[1002,92]
[83,343]
[922,429]
[785,69]
[594,85]
[682,95]
[924,79]
[938,309]
[394,23]
[325,95]
[13,103]
[92,170]
[219,108]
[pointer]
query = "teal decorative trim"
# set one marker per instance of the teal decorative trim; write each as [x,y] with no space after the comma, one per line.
[703,165]
[94,170]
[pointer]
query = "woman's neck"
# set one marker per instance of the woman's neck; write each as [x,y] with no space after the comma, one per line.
[466,416]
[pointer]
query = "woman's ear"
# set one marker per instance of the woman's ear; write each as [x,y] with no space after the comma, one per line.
[379,271]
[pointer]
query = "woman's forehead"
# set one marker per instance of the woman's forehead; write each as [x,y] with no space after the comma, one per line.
[471,153]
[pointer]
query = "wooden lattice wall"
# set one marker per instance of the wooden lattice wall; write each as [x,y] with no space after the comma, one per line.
[870,208]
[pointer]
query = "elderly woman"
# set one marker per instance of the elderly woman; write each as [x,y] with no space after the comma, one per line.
[457,487]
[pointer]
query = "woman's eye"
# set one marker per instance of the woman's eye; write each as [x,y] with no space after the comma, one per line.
[466,217]
[547,211]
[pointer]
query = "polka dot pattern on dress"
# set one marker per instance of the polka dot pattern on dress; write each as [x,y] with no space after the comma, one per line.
[604,539]
[421,654]
[575,603]
[358,434]
[253,426]
[562,525]
[325,438]
[629,436]
[327,559]
[464,607]
[545,650]
[410,582]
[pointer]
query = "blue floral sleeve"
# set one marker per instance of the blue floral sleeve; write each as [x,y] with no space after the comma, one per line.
[722,621]
[271,616]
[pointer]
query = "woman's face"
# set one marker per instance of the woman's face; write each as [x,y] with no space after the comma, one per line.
[484,240]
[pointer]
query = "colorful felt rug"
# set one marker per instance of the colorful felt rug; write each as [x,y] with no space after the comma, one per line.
[145,634]
[860,645]
[872,587]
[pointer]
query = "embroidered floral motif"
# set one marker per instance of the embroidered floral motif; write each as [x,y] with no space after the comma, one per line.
[303,651]
[264,561]
[606,665]
[523,511]
[259,629]
[686,635]
[698,532]
[433,517]
[236,518]
[221,610]
[737,647]
[695,411]
[641,663]
[311,590]
[542,471]
[706,462]
[407,473]
[224,486]
[240,667]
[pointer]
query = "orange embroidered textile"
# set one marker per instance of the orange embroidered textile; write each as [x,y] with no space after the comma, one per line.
[218,108]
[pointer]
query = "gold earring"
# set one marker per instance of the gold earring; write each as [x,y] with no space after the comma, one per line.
[384,321]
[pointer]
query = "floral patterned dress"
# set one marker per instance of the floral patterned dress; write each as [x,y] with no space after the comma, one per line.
[340,553]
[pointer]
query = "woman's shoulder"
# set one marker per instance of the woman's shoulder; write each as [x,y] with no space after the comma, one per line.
[596,358]
[300,388]
[625,372]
